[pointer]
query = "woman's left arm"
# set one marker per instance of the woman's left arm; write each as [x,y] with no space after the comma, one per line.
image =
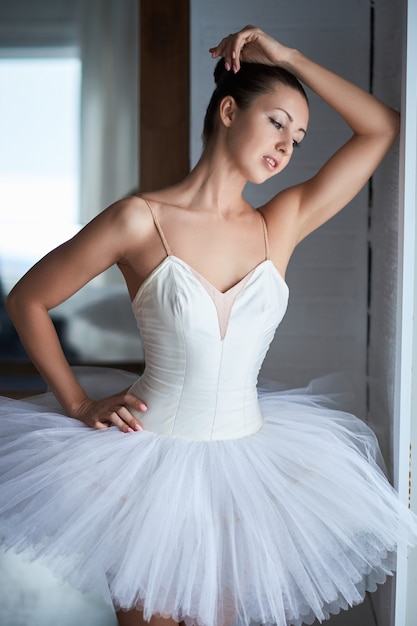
[375,127]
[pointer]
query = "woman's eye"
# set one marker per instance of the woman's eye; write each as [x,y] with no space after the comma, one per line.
[276,123]
[279,126]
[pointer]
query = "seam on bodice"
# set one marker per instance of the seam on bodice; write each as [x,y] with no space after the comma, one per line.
[185,357]
[213,423]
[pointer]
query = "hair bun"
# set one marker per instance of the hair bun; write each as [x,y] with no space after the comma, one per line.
[220,72]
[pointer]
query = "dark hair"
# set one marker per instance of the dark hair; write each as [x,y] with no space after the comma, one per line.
[253,79]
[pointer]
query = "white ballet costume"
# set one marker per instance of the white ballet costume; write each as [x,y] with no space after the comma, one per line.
[234,504]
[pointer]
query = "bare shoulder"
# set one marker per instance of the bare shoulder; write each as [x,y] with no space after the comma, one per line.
[129,219]
[128,211]
[142,208]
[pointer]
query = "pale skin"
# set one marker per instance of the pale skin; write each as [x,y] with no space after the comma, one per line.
[204,217]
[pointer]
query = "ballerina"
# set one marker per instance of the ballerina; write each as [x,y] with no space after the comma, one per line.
[191,495]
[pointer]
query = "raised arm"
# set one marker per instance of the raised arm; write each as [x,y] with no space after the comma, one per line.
[374,126]
[51,281]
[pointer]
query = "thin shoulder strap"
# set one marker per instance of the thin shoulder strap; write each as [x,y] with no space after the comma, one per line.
[265,236]
[158,228]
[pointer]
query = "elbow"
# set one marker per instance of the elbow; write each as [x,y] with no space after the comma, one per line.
[389,130]
[23,301]
[387,127]
[16,302]
[12,303]
[395,124]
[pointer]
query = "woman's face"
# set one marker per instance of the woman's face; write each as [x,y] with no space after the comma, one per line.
[261,139]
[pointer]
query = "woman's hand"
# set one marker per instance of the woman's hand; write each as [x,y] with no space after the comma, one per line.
[251,45]
[111,411]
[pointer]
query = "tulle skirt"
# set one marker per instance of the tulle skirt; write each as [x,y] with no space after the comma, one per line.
[282,527]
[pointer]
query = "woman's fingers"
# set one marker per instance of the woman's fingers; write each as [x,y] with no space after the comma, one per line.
[227,50]
[114,410]
[124,420]
[122,417]
[230,47]
[129,399]
[251,45]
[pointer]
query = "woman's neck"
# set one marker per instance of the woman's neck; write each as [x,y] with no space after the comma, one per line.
[214,183]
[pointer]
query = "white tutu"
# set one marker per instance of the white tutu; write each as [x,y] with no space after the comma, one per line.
[226,509]
[276,527]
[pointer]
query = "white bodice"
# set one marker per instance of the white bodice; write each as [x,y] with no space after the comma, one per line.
[204,349]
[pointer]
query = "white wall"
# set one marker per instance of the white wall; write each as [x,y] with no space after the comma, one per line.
[325,327]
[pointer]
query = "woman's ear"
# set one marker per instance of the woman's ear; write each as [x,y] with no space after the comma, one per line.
[227,110]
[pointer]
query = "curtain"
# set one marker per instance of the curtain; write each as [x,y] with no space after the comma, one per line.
[109,102]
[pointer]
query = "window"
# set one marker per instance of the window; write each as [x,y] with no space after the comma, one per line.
[39,157]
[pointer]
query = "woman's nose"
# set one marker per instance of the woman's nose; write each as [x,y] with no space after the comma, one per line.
[285,146]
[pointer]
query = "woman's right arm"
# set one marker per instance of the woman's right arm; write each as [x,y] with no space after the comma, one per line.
[56,277]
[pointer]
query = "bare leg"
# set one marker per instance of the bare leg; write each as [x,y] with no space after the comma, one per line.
[135,618]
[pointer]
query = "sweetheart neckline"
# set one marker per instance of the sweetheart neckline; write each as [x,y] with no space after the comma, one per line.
[173,257]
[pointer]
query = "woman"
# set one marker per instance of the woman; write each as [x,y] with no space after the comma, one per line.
[218,507]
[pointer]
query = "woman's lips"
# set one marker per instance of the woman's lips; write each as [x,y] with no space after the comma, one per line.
[270,162]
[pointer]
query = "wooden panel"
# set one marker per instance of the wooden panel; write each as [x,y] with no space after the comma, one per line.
[164,92]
